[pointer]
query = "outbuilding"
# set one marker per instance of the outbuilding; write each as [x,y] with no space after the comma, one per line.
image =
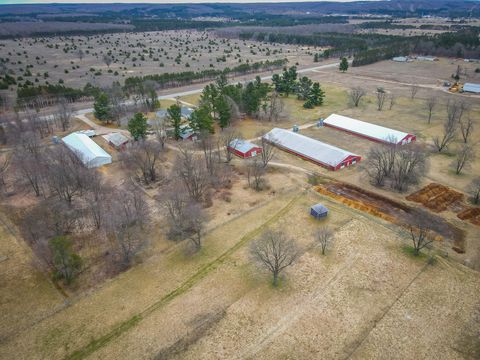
[117,140]
[320,153]
[89,153]
[244,149]
[368,130]
[318,211]
[471,87]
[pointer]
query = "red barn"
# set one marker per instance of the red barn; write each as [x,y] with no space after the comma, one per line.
[244,149]
[368,131]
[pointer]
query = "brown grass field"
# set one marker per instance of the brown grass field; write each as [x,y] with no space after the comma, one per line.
[367,298]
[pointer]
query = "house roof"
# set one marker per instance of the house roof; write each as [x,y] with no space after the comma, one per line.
[161,113]
[319,208]
[308,147]
[117,139]
[364,128]
[471,87]
[85,148]
[242,145]
[186,111]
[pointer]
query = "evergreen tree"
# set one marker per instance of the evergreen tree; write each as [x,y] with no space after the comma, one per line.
[175,116]
[303,88]
[289,79]
[343,64]
[102,108]
[223,110]
[202,120]
[315,97]
[138,126]
[66,263]
[316,58]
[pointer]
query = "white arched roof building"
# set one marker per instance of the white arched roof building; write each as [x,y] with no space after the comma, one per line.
[89,153]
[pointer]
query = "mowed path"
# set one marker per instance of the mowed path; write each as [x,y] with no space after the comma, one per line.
[100,317]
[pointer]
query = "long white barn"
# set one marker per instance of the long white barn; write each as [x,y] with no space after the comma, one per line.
[368,130]
[89,153]
[320,153]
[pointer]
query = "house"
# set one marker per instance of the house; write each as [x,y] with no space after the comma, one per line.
[117,140]
[325,155]
[89,153]
[244,149]
[471,87]
[187,133]
[368,131]
[318,211]
[186,112]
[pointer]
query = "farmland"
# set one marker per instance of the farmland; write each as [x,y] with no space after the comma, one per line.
[157,253]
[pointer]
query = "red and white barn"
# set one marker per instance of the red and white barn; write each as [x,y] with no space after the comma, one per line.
[244,149]
[322,154]
[369,131]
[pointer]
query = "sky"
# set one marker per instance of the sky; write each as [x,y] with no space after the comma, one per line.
[157,1]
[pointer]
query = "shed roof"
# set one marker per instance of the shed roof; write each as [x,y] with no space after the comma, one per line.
[242,145]
[308,147]
[85,148]
[319,208]
[365,128]
[117,139]
[471,87]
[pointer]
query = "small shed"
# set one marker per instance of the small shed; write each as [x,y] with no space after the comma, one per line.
[244,149]
[117,140]
[318,211]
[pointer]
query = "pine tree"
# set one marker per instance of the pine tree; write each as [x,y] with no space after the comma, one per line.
[102,108]
[138,126]
[175,116]
[223,110]
[343,64]
[315,97]
[202,120]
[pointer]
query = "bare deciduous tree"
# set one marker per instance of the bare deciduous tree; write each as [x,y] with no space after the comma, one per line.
[107,59]
[227,138]
[268,150]
[380,163]
[255,174]
[410,165]
[413,91]
[420,237]
[465,155]
[381,96]
[324,237]
[143,158]
[474,190]
[466,128]
[356,94]
[63,114]
[449,127]
[430,104]
[194,222]
[159,127]
[392,99]
[274,251]
[191,171]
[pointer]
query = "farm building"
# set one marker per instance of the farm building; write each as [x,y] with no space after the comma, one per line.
[471,87]
[318,211]
[369,131]
[427,58]
[117,140]
[401,59]
[322,154]
[186,112]
[244,149]
[89,153]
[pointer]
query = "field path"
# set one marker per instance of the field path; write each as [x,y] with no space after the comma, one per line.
[190,282]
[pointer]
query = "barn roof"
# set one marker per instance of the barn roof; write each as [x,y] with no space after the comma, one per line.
[86,149]
[308,147]
[364,128]
[242,145]
[116,139]
[471,87]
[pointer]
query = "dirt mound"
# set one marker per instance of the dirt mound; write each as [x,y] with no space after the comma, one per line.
[470,214]
[436,197]
[393,211]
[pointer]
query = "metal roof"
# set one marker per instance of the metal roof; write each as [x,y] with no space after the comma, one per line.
[364,128]
[87,150]
[242,145]
[186,111]
[116,139]
[308,147]
[471,87]
[319,208]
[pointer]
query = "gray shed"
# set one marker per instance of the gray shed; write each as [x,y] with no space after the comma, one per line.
[318,211]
